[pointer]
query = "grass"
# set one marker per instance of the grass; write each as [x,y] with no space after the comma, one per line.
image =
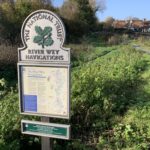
[143,42]
[86,53]
[92,51]
[139,114]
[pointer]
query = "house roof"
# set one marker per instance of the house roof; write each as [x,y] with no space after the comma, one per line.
[118,24]
[136,23]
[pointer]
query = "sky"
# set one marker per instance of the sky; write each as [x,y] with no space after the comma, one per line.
[121,9]
[57,3]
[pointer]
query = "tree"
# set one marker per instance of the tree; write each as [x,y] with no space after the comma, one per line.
[69,10]
[97,5]
[14,13]
[108,23]
[79,17]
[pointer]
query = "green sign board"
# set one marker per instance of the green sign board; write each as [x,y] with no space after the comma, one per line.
[46,129]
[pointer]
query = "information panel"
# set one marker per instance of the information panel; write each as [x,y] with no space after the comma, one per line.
[45,90]
[45,129]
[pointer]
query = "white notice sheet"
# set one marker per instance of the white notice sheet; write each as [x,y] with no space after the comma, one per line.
[45,90]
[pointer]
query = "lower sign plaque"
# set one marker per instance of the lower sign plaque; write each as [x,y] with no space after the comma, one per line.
[45,129]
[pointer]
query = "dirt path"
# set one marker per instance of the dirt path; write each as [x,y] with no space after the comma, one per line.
[139,48]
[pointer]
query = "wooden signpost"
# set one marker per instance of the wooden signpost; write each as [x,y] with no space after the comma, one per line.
[44,76]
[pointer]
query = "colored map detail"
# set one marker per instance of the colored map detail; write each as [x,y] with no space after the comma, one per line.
[30,103]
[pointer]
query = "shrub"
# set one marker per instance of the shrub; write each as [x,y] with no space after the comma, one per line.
[79,19]
[10,121]
[3,87]
[11,137]
[101,90]
[78,52]
[8,55]
[8,64]
[114,40]
[14,13]
[118,39]
[125,136]
[125,38]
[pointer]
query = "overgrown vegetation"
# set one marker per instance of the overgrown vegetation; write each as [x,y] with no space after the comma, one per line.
[104,90]
[14,13]
[110,90]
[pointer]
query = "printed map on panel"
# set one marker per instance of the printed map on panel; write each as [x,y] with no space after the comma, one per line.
[45,90]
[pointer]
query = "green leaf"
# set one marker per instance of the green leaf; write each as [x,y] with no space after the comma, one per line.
[38,30]
[44,36]
[46,31]
[40,43]
[48,42]
[37,39]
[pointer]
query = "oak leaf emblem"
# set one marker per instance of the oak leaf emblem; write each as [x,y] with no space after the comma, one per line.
[43,36]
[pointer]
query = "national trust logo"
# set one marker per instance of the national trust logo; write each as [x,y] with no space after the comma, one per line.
[43,36]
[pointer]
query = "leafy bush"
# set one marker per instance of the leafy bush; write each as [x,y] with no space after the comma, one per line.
[114,40]
[101,90]
[118,39]
[125,38]
[3,87]
[10,121]
[78,53]
[10,130]
[125,136]
[72,145]
[14,13]
[8,55]
[79,18]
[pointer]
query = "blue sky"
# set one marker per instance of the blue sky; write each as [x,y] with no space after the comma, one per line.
[121,9]
[57,3]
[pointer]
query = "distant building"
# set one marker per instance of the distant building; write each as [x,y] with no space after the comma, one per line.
[120,24]
[134,25]
[146,26]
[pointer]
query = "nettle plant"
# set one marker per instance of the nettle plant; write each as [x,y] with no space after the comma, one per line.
[44,36]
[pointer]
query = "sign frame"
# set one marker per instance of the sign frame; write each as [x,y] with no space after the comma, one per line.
[20,85]
[46,124]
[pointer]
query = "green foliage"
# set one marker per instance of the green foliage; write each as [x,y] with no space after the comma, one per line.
[103,89]
[139,114]
[125,136]
[86,14]
[8,55]
[10,121]
[143,42]
[79,18]
[72,145]
[110,104]
[44,36]
[118,39]
[10,130]
[3,87]
[13,15]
